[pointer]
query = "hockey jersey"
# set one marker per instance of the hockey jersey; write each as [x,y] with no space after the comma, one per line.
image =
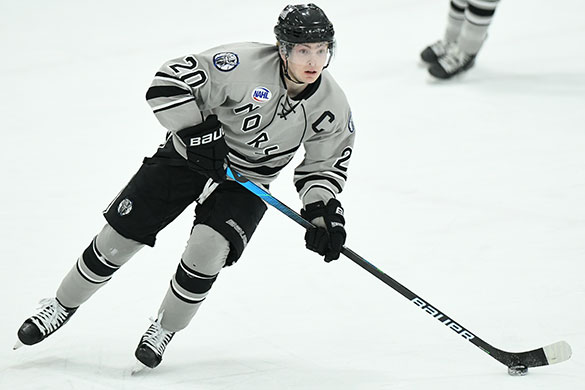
[243,85]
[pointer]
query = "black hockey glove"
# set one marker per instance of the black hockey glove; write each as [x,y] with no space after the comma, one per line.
[206,148]
[326,241]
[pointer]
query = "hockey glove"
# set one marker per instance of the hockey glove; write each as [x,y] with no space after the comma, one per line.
[206,148]
[328,235]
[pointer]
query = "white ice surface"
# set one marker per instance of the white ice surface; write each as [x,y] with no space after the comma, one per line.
[470,192]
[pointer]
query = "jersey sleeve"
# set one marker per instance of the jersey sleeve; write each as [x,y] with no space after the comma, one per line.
[323,172]
[181,89]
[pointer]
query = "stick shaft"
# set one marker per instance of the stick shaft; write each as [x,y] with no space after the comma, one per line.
[532,358]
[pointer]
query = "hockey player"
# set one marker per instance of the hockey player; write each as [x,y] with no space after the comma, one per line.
[467,26]
[251,106]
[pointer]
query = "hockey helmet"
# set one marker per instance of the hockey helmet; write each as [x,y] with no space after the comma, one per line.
[303,23]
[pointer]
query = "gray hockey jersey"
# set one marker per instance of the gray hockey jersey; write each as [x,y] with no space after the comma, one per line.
[243,85]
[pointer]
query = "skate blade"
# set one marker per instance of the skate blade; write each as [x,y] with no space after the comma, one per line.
[17,345]
[139,368]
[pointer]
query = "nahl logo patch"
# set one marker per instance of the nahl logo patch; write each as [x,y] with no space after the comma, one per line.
[226,61]
[125,207]
[261,94]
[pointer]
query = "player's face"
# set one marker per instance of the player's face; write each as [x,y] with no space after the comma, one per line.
[306,61]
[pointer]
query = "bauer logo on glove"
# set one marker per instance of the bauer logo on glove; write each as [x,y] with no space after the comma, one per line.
[206,148]
[207,138]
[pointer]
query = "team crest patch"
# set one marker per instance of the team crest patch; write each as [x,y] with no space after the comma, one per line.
[226,61]
[125,207]
[261,94]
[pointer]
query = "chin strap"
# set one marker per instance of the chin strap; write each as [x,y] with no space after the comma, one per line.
[285,71]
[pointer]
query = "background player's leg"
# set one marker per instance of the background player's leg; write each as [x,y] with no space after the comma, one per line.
[455,18]
[478,17]
[461,56]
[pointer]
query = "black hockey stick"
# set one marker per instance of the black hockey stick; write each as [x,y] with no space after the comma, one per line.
[517,362]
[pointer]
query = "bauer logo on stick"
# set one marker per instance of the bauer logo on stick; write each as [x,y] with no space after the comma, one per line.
[448,322]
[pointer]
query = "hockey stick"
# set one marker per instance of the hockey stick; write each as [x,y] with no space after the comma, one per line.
[517,362]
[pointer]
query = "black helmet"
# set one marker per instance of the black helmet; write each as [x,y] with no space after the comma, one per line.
[303,23]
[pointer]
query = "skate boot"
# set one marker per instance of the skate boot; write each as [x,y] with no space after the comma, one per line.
[153,344]
[453,62]
[431,54]
[50,317]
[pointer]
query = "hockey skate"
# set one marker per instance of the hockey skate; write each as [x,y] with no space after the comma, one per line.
[453,62]
[432,53]
[152,345]
[50,317]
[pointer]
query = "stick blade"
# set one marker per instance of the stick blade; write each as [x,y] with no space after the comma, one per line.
[557,352]
[139,369]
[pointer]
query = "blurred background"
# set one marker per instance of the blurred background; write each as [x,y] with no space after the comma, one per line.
[469,192]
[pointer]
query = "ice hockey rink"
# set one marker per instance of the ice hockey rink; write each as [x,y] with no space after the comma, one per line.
[470,192]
